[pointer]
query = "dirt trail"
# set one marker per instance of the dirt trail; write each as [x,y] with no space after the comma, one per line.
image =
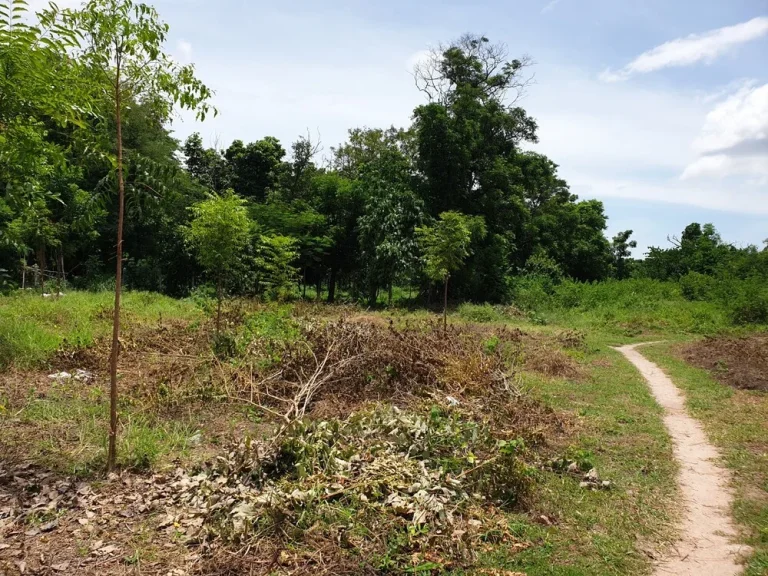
[706,546]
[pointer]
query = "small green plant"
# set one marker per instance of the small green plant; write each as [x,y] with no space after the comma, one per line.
[446,245]
[219,232]
[479,313]
[491,345]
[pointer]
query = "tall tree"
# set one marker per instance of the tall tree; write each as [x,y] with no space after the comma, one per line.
[207,165]
[255,167]
[620,248]
[124,48]
[39,96]
[467,138]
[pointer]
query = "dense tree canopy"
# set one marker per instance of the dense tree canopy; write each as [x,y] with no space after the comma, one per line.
[344,224]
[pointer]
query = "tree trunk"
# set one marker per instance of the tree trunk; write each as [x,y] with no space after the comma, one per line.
[319,288]
[112,451]
[389,295]
[332,286]
[445,305]
[60,268]
[41,265]
[218,305]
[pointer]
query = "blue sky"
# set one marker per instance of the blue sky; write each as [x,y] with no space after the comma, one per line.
[657,107]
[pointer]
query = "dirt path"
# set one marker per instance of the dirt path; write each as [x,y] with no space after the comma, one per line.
[705,547]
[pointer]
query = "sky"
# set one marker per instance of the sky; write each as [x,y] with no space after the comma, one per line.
[658,108]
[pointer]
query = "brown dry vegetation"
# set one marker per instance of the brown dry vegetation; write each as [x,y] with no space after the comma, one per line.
[738,362]
[333,371]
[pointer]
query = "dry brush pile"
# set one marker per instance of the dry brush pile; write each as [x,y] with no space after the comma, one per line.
[394,448]
[390,448]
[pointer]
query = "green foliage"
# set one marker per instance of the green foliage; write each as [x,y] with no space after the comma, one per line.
[446,244]
[479,313]
[219,231]
[696,286]
[274,262]
[367,223]
[620,248]
[746,301]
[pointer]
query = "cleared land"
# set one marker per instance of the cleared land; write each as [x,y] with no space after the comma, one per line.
[316,439]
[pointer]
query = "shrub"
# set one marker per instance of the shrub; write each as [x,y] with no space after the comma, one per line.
[479,313]
[696,286]
[746,302]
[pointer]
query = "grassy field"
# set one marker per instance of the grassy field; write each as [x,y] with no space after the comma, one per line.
[34,328]
[187,396]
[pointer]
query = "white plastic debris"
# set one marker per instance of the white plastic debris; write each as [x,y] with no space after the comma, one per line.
[83,375]
[60,376]
[452,401]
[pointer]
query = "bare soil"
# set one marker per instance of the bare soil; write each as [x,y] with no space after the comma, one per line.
[738,362]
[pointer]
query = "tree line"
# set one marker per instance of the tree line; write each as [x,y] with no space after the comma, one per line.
[360,218]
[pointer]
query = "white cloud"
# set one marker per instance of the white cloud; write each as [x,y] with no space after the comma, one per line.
[734,139]
[419,57]
[184,51]
[550,6]
[744,200]
[692,49]
[622,141]
[613,129]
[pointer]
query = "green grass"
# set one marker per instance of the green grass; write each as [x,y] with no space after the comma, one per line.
[32,328]
[621,433]
[637,307]
[736,421]
[68,433]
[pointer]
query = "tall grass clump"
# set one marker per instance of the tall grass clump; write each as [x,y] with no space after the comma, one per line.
[627,307]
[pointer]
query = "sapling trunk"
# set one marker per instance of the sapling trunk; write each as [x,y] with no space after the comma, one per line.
[445,305]
[218,305]
[112,450]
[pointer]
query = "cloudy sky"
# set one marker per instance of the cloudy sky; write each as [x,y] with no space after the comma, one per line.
[657,107]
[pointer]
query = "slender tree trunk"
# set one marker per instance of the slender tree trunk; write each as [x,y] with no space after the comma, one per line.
[304,285]
[218,305]
[23,274]
[445,305]
[41,266]
[60,268]
[332,286]
[389,295]
[319,288]
[112,452]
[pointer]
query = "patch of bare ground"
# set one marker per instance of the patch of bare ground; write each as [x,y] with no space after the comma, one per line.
[738,362]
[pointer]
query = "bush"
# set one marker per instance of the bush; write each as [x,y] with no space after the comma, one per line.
[479,313]
[695,286]
[746,301]
[532,292]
